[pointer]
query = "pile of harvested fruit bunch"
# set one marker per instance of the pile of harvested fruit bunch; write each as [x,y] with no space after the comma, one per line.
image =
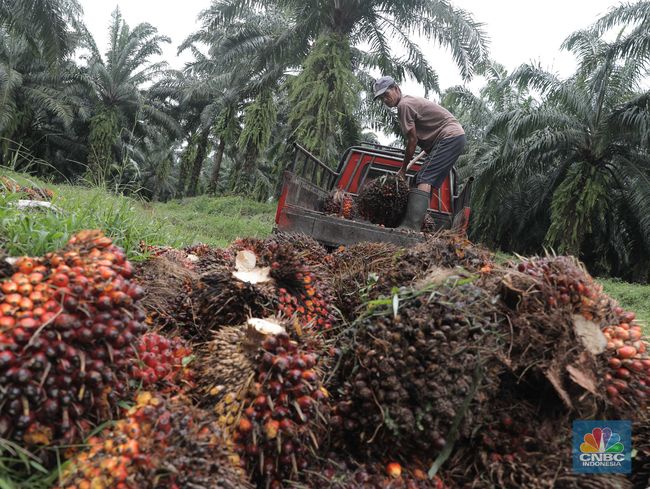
[273,363]
[340,203]
[33,193]
[383,200]
[68,322]
[160,444]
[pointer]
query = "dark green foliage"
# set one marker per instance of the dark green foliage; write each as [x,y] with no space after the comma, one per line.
[324,97]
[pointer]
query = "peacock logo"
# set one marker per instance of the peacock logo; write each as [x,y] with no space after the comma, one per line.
[602,446]
[602,440]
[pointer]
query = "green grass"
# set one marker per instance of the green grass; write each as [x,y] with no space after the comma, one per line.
[215,221]
[632,297]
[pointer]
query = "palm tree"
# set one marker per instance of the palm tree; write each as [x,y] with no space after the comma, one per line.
[326,39]
[36,110]
[575,163]
[120,106]
[44,24]
[219,89]
[635,19]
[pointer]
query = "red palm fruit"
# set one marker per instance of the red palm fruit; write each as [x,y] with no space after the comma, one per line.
[25,265]
[7,322]
[25,289]
[13,299]
[104,302]
[35,278]
[245,426]
[27,323]
[271,429]
[9,287]
[37,297]
[626,351]
[60,280]
[394,470]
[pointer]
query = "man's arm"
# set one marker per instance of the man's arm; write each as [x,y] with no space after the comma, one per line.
[411,144]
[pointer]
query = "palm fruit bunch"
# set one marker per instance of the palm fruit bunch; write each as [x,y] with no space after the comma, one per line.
[300,288]
[168,286]
[67,325]
[383,200]
[374,269]
[396,397]
[563,284]
[340,203]
[181,256]
[310,251]
[567,284]
[226,368]
[277,434]
[214,259]
[348,474]
[228,297]
[439,251]
[356,269]
[516,443]
[542,461]
[161,444]
[628,359]
[429,224]
[33,193]
[162,362]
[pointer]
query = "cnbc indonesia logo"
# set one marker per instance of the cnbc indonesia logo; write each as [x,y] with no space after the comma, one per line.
[602,447]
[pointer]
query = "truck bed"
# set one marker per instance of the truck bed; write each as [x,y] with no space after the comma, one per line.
[299,212]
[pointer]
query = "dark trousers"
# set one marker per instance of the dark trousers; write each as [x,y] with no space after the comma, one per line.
[440,160]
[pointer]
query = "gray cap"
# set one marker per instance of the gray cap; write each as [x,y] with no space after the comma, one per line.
[382,84]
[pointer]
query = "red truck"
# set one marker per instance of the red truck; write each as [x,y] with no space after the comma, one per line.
[307,182]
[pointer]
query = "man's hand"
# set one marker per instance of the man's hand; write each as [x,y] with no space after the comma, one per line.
[402,173]
[411,143]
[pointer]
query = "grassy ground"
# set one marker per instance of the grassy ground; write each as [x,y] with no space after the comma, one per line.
[215,221]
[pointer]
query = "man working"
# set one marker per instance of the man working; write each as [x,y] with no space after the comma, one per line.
[436,131]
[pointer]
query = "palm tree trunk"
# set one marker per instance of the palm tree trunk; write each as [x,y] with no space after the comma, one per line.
[184,168]
[218,158]
[201,150]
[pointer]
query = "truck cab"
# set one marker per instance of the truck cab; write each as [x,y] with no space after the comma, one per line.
[307,182]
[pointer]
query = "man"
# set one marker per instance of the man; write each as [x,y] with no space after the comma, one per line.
[436,131]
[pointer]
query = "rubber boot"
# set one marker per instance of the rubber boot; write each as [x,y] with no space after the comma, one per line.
[416,209]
